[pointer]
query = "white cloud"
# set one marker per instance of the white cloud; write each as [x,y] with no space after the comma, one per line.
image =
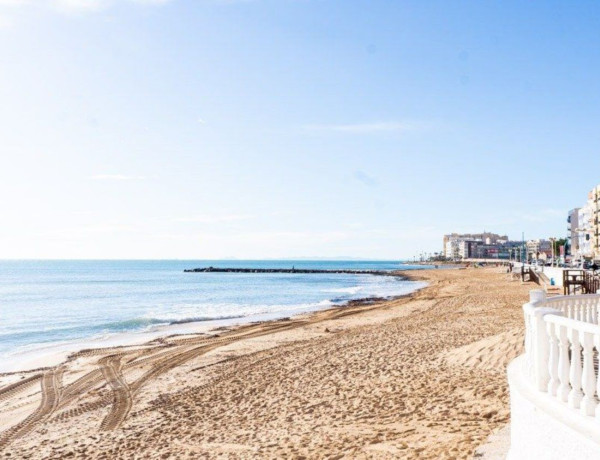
[5,22]
[214,219]
[367,128]
[283,240]
[13,3]
[545,215]
[95,5]
[78,6]
[365,178]
[115,177]
[81,6]
[105,228]
[6,11]
[88,231]
[150,2]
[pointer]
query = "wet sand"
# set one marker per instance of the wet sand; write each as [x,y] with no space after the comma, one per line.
[416,377]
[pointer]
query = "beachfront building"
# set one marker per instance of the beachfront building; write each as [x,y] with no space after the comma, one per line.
[451,249]
[574,230]
[584,228]
[539,249]
[482,246]
[581,231]
[470,245]
[459,248]
[594,204]
[555,384]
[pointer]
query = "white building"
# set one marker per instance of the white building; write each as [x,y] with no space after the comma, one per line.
[584,228]
[464,245]
[585,217]
[459,248]
[451,249]
[539,249]
[581,229]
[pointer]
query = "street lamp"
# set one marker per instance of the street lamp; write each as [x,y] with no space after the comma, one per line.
[580,238]
[552,241]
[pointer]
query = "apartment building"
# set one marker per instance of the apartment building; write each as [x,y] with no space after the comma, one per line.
[584,228]
[539,249]
[484,245]
[581,230]
[594,204]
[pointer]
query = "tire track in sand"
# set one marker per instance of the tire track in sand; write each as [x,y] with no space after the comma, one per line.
[50,383]
[122,398]
[10,390]
[162,362]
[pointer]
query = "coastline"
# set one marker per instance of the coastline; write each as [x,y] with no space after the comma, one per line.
[53,354]
[413,364]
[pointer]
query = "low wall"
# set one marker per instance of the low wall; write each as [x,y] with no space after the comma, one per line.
[556,273]
[541,428]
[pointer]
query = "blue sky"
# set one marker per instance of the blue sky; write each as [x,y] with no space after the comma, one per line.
[291,128]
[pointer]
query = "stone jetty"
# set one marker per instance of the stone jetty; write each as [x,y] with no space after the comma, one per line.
[285,270]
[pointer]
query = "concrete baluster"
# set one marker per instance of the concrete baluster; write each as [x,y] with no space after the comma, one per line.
[553,360]
[528,340]
[575,395]
[588,403]
[597,344]
[563,364]
[540,347]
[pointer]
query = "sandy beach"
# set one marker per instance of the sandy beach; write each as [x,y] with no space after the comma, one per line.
[417,377]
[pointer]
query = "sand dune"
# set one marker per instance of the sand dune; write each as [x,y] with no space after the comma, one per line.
[492,353]
[418,377]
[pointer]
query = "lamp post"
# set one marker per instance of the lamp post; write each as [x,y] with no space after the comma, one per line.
[521,255]
[580,237]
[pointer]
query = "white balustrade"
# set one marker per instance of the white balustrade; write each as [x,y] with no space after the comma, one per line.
[562,344]
[579,307]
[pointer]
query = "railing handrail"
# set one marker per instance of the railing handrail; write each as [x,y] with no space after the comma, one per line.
[573,323]
[584,307]
[569,298]
[562,342]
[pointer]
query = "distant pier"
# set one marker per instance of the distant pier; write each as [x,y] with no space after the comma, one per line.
[287,270]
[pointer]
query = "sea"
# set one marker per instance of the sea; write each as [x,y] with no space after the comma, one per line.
[49,307]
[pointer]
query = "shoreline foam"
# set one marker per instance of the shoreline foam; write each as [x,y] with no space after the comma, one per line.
[54,353]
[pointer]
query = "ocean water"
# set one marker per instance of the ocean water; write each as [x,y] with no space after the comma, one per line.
[70,304]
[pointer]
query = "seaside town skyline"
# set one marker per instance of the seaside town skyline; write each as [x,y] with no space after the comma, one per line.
[580,243]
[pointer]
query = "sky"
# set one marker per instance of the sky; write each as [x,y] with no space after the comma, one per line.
[291,128]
